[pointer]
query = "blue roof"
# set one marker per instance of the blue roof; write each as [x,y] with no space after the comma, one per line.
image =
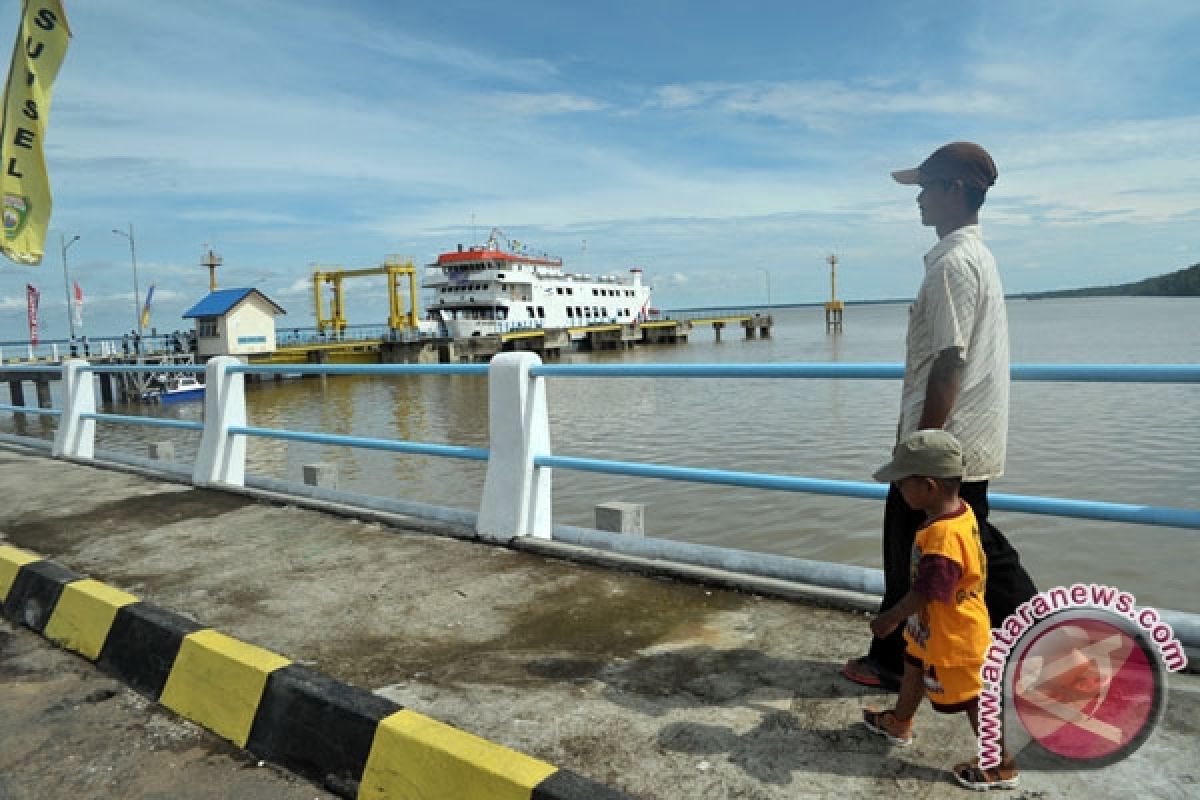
[222,300]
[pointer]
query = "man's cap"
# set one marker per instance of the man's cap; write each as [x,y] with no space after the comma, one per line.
[931,453]
[964,161]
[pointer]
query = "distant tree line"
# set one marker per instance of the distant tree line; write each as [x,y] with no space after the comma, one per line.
[1182,283]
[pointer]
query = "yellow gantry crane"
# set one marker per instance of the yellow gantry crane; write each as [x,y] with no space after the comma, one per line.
[398,318]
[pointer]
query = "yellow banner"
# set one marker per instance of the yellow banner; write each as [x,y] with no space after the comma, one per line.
[24,185]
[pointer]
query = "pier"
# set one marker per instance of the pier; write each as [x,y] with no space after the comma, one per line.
[660,689]
[584,663]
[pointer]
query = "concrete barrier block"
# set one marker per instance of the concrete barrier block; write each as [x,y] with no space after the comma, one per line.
[317,726]
[416,756]
[35,593]
[217,681]
[84,615]
[11,561]
[142,645]
[321,474]
[622,518]
[567,785]
[162,451]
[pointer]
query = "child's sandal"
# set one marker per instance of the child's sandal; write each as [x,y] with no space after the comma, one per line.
[887,724]
[973,776]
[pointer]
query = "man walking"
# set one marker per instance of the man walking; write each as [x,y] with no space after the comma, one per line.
[955,377]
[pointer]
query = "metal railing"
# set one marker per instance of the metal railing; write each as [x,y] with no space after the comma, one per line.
[516,501]
[532,372]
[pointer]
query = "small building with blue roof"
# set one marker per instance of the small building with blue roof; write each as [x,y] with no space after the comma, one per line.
[234,322]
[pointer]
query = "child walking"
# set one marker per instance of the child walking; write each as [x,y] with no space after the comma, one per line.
[946,622]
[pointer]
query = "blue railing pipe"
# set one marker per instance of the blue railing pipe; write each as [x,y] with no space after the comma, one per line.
[391,445]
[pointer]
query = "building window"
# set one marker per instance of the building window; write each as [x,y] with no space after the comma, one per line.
[206,327]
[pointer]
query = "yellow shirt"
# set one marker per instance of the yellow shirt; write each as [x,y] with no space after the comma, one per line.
[955,633]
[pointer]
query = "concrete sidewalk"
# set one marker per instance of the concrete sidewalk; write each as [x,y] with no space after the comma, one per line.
[658,688]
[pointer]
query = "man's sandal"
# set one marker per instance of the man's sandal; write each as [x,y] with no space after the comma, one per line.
[972,776]
[865,672]
[888,725]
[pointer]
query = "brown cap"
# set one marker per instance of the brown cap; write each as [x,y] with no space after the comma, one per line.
[964,161]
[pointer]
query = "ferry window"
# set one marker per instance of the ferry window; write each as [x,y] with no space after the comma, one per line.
[594,292]
[558,290]
[500,275]
[570,313]
[529,311]
[541,312]
[587,311]
[570,290]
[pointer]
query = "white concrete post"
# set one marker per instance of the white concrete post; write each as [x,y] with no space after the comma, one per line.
[222,455]
[76,438]
[516,494]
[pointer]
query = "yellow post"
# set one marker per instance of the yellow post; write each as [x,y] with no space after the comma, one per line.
[339,300]
[412,295]
[835,307]
[317,301]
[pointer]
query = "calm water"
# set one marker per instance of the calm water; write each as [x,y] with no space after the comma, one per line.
[1124,443]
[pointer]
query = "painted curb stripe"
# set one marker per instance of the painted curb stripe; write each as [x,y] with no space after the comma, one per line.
[11,561]
[356,743]
[142,645]
[218,681]
[567,785]
[415,756]
[317,726]
[84,615]
[35,592]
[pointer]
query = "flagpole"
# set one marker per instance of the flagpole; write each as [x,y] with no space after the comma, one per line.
[137,304]
[67,281]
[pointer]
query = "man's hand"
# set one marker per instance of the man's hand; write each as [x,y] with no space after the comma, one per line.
[883,625]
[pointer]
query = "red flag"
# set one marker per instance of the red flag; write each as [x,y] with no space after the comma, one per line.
[32,296]
[77,306]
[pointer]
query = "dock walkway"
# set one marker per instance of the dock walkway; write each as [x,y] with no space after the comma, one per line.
[654,687]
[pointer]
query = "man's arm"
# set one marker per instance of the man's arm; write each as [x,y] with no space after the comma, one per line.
[941,391]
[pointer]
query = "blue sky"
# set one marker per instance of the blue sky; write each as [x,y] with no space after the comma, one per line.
[716,145]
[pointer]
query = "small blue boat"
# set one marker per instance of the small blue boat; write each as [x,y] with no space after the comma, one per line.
[176,390]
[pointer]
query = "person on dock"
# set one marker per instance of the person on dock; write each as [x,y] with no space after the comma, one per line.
[87,348]
[125,344]
[943,616]
[955,377]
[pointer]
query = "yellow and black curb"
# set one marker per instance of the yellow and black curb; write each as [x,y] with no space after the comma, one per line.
[355,743]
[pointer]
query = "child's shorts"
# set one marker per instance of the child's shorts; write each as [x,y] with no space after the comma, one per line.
[950,689]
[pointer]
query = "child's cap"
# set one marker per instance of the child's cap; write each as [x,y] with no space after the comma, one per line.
[933,453]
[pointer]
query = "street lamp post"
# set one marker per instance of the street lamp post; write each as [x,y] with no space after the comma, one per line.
[137,309]
[67,281]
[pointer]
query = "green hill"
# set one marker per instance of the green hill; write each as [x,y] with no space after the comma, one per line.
[1182,283]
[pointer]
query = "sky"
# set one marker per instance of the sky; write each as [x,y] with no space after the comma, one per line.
[725,148]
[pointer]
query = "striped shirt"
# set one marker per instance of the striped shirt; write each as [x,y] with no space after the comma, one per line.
[961,305]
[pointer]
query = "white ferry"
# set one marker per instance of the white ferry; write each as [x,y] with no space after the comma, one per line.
[496,288]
